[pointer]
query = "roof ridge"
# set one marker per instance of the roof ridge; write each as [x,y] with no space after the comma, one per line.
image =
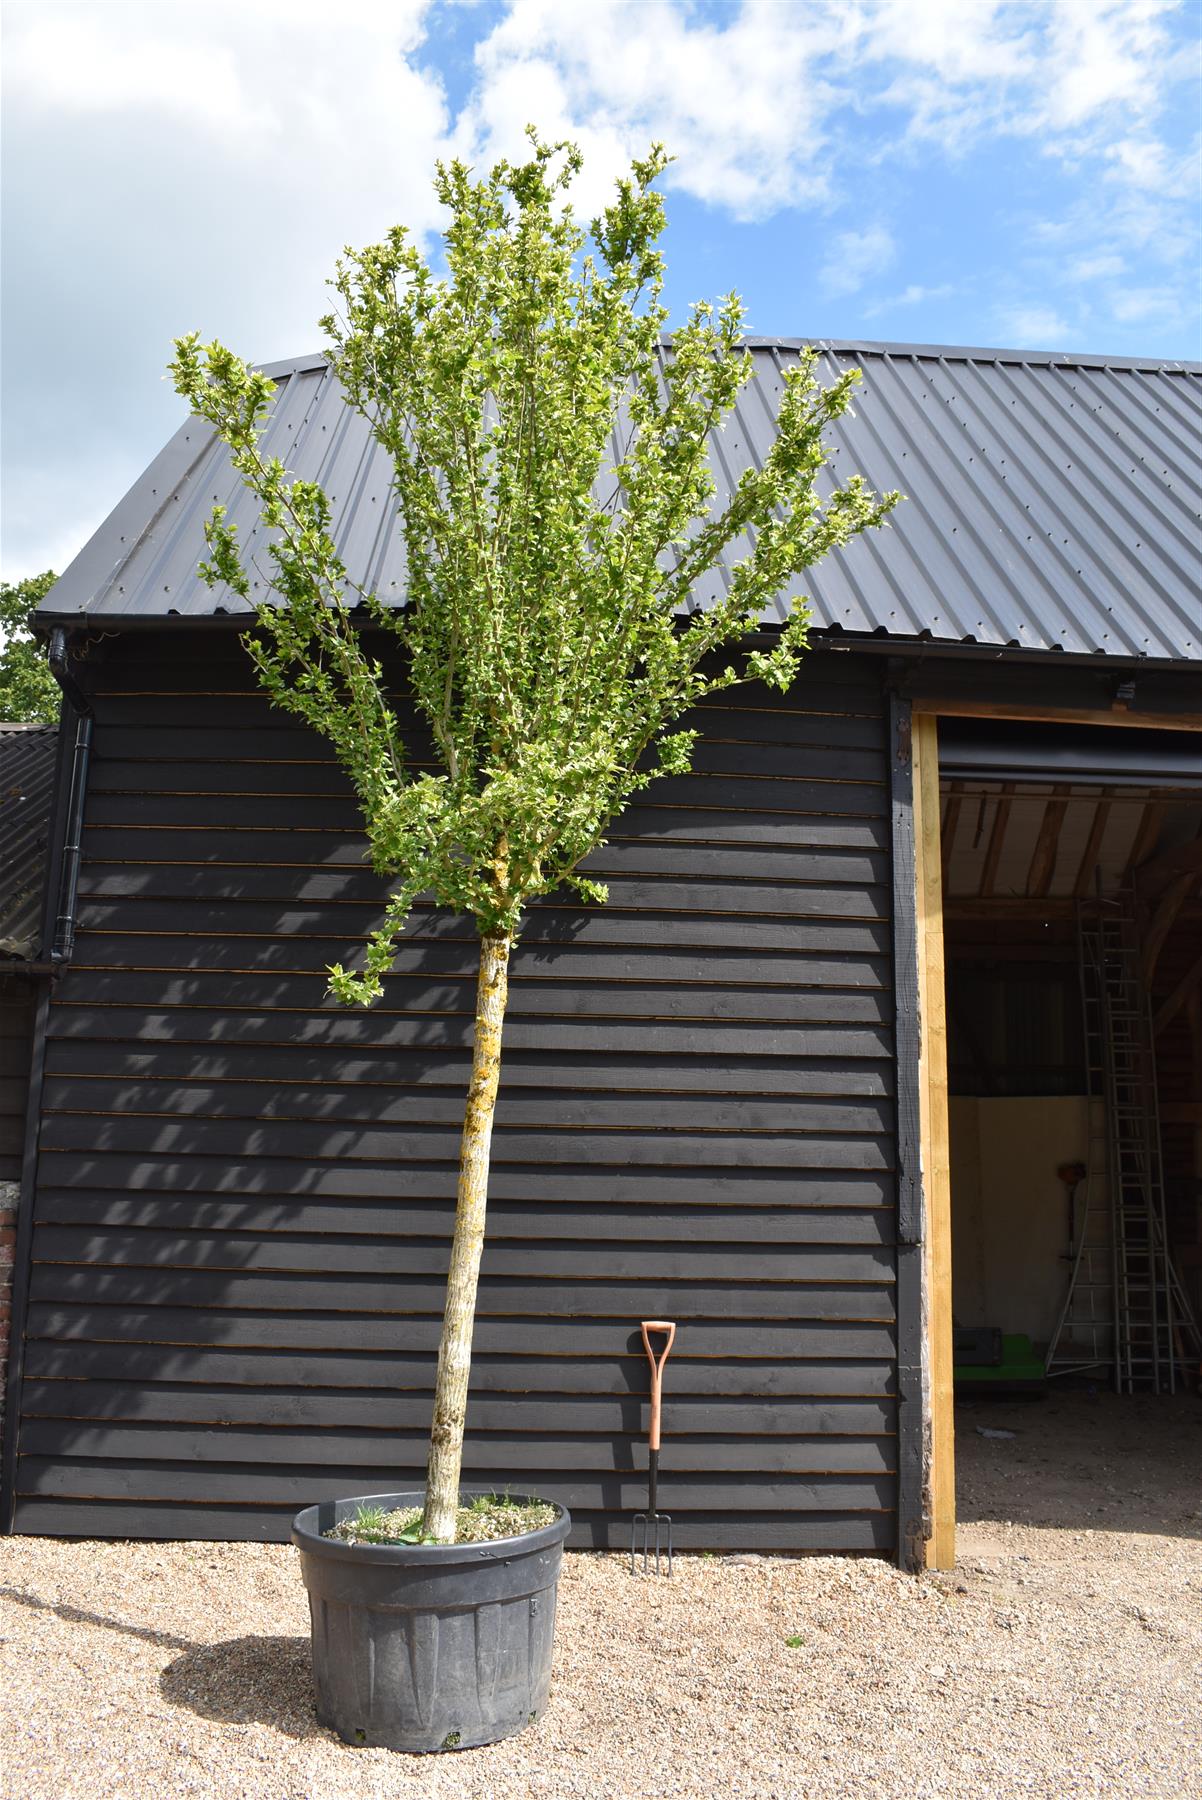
[1039,359]
[1052,508]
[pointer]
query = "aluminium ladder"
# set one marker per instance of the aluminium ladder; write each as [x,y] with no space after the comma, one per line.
[1133,1314]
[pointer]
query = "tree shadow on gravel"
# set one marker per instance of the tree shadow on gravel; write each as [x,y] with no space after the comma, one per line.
[247,1681]
[79,1615]
[243,1681]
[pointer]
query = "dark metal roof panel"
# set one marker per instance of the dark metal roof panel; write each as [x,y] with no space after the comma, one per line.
[27,756]
[1053,503]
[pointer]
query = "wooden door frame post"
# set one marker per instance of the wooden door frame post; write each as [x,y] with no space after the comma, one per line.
[933,1137]
[927,1468]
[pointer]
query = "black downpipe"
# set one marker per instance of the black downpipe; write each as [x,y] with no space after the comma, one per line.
[64,927]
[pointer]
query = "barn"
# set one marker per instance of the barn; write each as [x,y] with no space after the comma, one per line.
[884,1057]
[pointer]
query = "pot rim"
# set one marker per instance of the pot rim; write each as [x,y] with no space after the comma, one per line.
[308,1534]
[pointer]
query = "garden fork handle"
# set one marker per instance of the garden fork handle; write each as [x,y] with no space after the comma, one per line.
[657,1371]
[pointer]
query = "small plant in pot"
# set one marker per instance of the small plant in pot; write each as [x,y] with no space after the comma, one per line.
[550,453]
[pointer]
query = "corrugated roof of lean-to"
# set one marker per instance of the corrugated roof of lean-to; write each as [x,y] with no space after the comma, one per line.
[1054,503]
[27,757]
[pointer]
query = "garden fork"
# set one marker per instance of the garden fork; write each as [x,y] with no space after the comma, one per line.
[652,1530]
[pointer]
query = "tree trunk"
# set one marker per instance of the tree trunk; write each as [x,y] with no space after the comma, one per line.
[459,1316]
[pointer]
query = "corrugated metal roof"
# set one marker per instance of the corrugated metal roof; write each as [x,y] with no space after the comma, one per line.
[1053,502]
[27,756]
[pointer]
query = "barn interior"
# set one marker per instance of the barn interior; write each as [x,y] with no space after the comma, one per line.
[1072,892]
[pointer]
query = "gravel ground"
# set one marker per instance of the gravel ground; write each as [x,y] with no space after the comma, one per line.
[1063,1657]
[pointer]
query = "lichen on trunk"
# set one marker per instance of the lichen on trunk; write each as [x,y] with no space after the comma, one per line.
[455,1347]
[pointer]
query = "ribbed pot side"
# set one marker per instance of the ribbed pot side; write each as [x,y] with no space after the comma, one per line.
[433,1646]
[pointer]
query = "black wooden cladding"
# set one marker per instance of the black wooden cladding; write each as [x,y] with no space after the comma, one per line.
[16,1030]
[245,1191]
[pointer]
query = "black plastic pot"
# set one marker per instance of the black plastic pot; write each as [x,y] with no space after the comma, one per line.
[428,1646]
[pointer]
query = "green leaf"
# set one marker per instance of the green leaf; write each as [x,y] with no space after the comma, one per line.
[540,640]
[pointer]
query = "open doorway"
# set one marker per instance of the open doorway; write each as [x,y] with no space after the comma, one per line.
[1071,863]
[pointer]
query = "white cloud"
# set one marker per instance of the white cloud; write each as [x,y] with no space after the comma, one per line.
[1034,328]
[856,258]
[1096,268]
[913,295]
[741,102]
[1146,164]
[1102,54]
[756,98]
[1063,70]
[1125,253]
[80,64]
[184,168]
[1139,306]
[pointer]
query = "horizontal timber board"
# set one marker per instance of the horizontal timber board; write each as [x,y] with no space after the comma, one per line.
[332,1255]
[310,957]
[621,1375]
[621,1452]
[85,1478]
[747,1186]
[105,1212]
[648,822]
[408,1297]
[784,782]
[384,1105]
[750,862]
[177,658]
[849,943]
[729,739]
[808,711]
[733,723]
[573,1416]
[128,1134]
[418,999]
[712,1039]
[175,1329]
[815,1534]
[621,857]
[521,1071]
[166,747]
[228,796]
[298,850]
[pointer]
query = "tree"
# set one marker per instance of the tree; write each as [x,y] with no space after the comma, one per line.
[553,488]
[28,691]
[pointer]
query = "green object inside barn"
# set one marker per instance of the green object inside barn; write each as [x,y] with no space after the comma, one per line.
[1018,1367]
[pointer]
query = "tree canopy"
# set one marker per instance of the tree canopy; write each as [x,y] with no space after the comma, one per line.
[550,452]
[552,480]
[28,691]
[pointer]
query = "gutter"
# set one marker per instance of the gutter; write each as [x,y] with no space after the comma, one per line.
[65,923]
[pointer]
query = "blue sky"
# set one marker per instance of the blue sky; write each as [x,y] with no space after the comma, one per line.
[1018,173]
